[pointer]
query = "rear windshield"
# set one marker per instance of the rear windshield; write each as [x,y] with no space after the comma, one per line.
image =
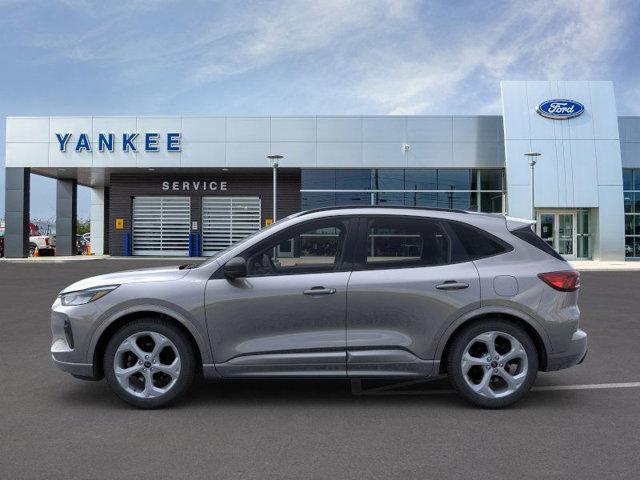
[529,236]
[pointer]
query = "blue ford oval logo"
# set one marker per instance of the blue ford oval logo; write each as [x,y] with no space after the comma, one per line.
[560,109]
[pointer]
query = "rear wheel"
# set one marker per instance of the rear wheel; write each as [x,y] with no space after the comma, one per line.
[492,363]
[149,363]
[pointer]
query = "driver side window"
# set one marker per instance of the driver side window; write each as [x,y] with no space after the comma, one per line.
[315,247]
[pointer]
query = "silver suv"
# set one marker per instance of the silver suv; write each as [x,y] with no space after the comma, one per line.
[335,293]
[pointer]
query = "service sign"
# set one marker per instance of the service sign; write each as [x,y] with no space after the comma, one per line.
[194,186]
[106,142]
[560,109]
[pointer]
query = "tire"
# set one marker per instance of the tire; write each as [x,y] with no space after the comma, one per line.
[493,383]
[32,249]
[136,347]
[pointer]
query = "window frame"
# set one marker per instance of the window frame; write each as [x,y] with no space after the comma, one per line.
[343,262]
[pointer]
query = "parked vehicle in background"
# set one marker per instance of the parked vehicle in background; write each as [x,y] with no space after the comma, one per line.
[344,292]
[81,245]
[1,241]
[44,243]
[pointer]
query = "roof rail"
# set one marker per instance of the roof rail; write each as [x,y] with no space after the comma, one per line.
[401,207]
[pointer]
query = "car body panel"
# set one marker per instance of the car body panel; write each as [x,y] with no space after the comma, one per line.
[377,323]
[401,309]
[88,322]
[157,274]
[268,324]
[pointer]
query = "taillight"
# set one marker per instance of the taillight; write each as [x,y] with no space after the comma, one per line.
[46,240]
[562,281]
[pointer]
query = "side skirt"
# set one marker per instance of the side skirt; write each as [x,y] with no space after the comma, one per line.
[379,363]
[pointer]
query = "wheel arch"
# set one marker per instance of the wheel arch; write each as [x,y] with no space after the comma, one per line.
[116,323]
[534,331]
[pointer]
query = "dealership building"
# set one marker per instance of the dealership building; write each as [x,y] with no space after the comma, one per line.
[182,186]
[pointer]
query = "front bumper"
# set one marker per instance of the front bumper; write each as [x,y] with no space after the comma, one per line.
[70,336]
[574,355]
[78,370]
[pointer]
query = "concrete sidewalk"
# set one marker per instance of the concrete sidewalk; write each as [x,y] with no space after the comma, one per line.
[80,258]
[583,265]
[54,259]
[594,265]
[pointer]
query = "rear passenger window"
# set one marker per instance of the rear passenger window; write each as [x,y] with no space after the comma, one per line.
[476,243]
[405,243]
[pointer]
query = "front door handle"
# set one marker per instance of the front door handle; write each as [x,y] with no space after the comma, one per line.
[452,285]
[313,291]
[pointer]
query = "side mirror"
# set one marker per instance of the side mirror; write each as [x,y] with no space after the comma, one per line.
[235,268]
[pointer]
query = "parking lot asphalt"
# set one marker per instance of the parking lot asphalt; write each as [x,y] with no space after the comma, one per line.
[54,426]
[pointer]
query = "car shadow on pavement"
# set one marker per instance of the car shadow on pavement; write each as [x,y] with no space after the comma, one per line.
[248,392]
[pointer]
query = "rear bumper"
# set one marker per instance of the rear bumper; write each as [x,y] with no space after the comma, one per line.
[574,355]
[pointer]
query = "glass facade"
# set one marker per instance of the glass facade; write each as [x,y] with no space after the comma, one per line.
[464,189]
[631,182]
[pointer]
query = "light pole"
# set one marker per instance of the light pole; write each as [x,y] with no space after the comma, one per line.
[274,163]
[532,163]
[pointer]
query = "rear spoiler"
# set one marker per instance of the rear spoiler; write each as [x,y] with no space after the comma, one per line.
[514,223]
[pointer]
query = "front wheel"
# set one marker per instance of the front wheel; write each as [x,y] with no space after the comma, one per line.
[149,363]
[492,363]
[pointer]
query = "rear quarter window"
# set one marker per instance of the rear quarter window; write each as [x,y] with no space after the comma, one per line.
[474,243]
[529,236]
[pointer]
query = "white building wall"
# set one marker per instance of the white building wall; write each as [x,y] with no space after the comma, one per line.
[630,141]
[580,166]
[305,141]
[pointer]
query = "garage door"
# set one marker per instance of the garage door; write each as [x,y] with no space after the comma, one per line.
[161,225]
[226,220]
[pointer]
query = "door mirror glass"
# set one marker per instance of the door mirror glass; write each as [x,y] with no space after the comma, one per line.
[235,268]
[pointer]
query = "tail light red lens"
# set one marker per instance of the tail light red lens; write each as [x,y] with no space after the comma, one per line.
[562,281]
[46,240]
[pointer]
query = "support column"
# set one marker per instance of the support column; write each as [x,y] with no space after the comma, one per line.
[66,217]
[107,221]
[17,191]
[97,221]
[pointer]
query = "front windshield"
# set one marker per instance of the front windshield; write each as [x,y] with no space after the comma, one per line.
[217,255]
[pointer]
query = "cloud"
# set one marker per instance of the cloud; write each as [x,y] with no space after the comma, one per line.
[264,35]
[541,40]
[391,56]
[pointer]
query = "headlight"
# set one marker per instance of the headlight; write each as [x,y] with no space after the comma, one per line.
[85,296]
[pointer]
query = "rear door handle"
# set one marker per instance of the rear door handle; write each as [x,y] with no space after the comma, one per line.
[313,291]
[452,285]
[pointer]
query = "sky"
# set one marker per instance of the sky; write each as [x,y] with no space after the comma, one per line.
[161,57]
